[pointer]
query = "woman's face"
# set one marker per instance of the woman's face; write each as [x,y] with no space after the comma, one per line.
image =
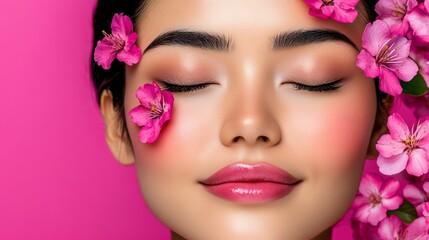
[270,111]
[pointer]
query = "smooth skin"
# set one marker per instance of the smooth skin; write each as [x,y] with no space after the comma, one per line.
[251,112]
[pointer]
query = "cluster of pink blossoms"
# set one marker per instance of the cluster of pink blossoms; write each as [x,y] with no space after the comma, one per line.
[395,49]
[394,203]
[155,105]
[400,32]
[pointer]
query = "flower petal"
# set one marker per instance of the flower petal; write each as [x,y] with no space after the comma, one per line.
[416,230]
[149,135]
[388,147]
[419,23]
[140,116]
[344,15]
[374,36]
[367,63]
[397,127]
[392,165]
[389,82]
[370,184]
[149,95]
[413,194]
[390,227]
[422,130]
[121,25]
[392,203]
[372,214]
[418,163]
[407,70]
[104,53]
[424,144]
[389,188]
[130,57]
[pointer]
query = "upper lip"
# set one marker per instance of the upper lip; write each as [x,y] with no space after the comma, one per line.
[242,172]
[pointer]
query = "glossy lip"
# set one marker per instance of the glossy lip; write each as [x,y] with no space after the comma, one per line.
[250,183]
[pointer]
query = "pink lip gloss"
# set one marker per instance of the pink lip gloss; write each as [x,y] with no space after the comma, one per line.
[246,183]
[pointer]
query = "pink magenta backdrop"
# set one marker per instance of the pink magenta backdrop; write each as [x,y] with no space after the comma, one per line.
[57,177]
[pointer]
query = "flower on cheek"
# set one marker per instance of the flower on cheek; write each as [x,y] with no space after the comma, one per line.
[395,14]
[154,109]
[375,198]
[404,149]
[340,10]
[120,44]
[392,228]
[386,56]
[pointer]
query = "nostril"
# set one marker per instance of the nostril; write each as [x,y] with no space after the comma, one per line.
[264,138]
[236,139]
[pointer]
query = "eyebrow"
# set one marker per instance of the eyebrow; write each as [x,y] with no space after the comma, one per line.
[306,37]
[201,40]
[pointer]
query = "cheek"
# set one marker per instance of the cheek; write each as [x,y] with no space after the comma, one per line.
[336,129]
[187,136]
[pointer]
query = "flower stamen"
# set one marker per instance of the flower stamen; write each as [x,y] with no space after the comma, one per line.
[118,43]
[374,199]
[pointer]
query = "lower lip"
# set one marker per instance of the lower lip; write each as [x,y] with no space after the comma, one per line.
[250,192]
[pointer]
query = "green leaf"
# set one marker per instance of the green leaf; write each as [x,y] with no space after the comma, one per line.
[415,87]
[406,212]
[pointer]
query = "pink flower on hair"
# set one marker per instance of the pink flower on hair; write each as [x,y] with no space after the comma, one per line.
[395,14]
[375,198]
[120,44]
[404,149]
[392,228]
[386,56]
[154,109]
[340,10]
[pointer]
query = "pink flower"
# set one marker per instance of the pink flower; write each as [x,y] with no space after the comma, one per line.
[340,10]
[392,228]
[395,13]
[120,44]
[421,55]
[419,23]
[154,109]
[375,198]
[403,149]
[416,196]
[386,56]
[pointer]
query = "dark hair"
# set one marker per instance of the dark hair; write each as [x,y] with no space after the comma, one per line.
[114,78]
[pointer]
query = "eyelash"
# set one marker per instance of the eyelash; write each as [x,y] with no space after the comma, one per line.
[183,88]
[325,87]
[191,88]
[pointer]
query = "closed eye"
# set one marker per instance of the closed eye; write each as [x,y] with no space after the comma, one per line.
[183,88]
[325,87]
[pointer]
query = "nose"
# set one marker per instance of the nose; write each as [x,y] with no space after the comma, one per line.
[250,121]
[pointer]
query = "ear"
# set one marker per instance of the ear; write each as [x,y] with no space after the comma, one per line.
[116,136]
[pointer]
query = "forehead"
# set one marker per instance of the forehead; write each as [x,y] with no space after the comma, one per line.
[248,22]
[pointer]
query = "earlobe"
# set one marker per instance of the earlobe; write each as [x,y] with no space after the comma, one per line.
[116,138]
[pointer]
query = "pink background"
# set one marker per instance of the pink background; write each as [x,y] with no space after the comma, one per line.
[57,177]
